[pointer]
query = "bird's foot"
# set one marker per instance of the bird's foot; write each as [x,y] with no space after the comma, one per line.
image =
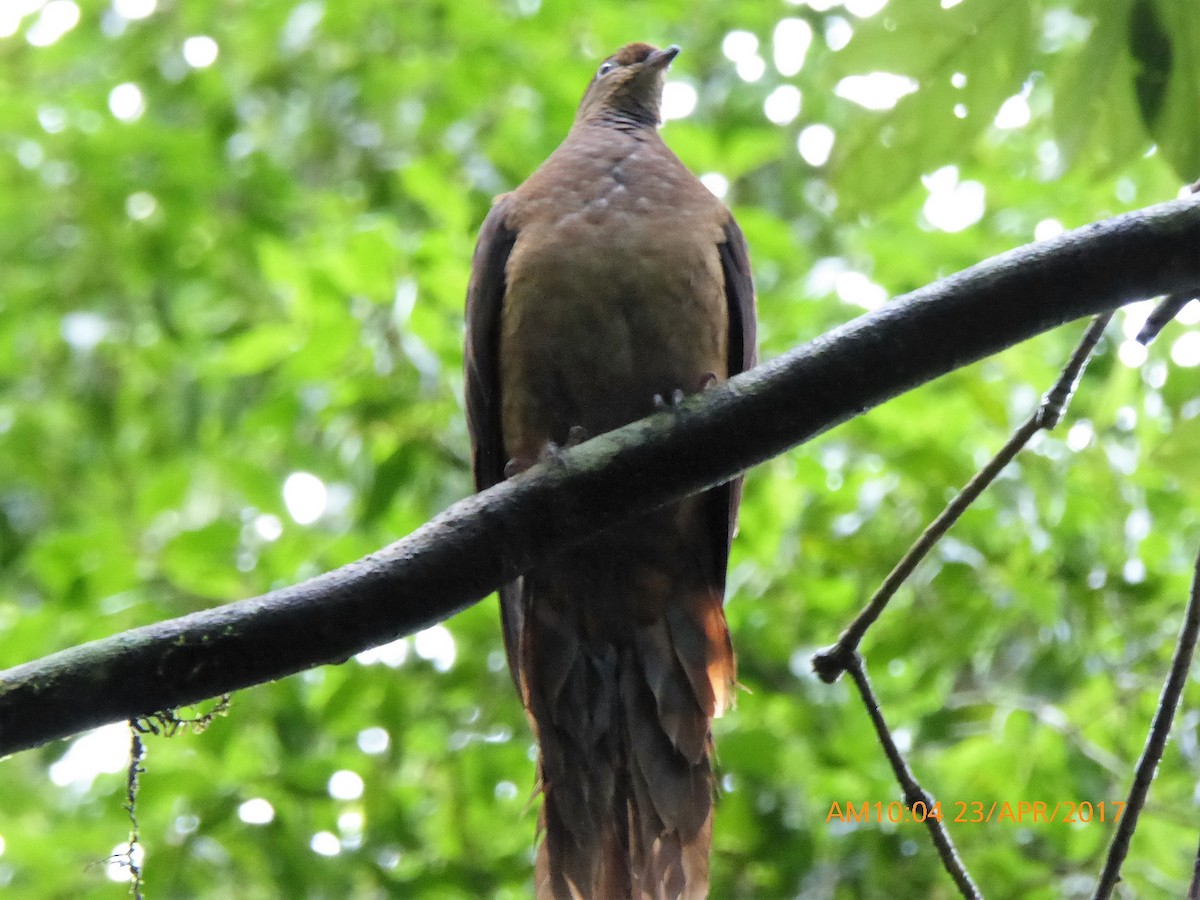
[550,452]
[707,380]
[517,465]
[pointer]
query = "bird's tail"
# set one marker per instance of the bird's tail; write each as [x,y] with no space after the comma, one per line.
[624,730]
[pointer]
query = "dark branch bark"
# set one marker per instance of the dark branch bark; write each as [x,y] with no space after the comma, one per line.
[463,554]
[913,792]
[1156,744]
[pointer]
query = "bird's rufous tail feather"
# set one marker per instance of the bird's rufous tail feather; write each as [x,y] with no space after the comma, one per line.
[624,729]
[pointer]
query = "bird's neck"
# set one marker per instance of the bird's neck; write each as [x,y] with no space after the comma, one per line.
[629,119]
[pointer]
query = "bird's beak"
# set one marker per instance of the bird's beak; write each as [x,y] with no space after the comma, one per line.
[660,59]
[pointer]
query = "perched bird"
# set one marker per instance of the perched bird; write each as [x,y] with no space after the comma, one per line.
[609,280]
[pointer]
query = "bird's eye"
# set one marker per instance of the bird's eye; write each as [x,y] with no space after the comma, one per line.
[605,68]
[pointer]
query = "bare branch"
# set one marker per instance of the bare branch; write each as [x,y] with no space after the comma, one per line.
[1156,742]
[463,554]
[1168,308]
[830,663]
[913,792]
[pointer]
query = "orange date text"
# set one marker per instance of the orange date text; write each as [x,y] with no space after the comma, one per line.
[978,812]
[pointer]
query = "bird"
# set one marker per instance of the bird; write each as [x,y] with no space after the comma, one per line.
[607,286]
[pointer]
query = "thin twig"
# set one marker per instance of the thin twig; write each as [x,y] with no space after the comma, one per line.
[1168,308]
[913,792]
[137,752]
[829,664]
[1156,742]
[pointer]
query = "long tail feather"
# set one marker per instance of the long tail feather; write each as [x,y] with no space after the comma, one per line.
[624,729]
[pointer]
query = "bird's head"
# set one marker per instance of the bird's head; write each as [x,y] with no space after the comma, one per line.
[626,90]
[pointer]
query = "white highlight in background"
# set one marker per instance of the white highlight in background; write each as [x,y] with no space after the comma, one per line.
[118,862]
[790,43]
[101,751]
[1046,229]
[857,289]
[864,9]
[437,645]
[876,90]
[325,843]
[134,9]
[815,143]
[392,654]
[127,102]
[200,51]
[952,205]
[345,785]
[268,527]
[782,104]
[305,497]
[1185,351]
[1013,113]
[257,812]
[739,45]
[56,19]
[374,740]
[717,184]
[679,100]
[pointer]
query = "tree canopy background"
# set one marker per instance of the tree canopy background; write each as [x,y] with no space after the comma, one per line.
[234,244]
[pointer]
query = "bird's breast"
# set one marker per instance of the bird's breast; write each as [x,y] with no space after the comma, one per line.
[615,293]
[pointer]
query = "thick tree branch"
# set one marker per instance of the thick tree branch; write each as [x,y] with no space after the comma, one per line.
[463,554]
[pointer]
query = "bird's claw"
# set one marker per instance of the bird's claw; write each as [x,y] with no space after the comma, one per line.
[677,396]
[576,435]
[550,452]
[517,465]
[707,380]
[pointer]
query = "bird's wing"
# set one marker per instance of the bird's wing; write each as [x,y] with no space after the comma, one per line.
[739,292]
[485,300]
[743,354]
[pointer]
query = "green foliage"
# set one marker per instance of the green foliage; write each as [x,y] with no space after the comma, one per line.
[238,271]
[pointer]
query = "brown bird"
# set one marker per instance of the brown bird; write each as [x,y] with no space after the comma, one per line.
[610,279]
